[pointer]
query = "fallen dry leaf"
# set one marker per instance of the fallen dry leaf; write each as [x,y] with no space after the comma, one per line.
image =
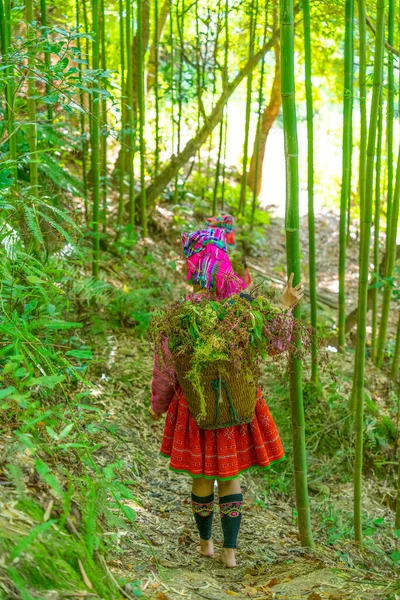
[314,596]
[272,582]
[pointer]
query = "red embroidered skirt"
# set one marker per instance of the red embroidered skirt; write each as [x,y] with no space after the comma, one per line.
[219,453]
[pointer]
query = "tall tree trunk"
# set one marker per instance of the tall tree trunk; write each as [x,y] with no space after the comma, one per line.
[310,187]
[390,263]
[363,102]
[141,102]
[346,167]
[176,162]
[267,120]
[293,264]
[366,220]
[95,140]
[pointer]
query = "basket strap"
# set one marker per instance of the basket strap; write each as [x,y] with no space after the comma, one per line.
[215,384]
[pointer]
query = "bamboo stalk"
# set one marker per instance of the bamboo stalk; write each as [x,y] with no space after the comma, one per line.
[130,137]
[390,263]
[243,185]
[103,109]
[10,91]
[346,167]
[156,91]
[366,221]
[396,355]
[3,44]
[389,120]
[43,18]
[32,127]
[141,106]
[310,187]
[377,217]
[94,141]
[122,164]
[258,132]
[82,123]
[293,264]
[179,89]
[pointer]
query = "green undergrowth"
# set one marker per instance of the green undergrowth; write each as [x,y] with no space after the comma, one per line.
[58,495]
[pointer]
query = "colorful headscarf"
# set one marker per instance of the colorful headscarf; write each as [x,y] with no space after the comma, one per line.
[224,222]
[208,262]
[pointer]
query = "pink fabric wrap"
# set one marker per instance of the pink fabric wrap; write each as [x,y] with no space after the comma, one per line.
[208,263]
[164,381]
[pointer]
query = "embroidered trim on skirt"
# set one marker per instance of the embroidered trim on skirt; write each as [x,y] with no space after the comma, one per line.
[219,453]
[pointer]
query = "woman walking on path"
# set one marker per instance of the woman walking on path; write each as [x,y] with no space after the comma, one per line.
[218,454]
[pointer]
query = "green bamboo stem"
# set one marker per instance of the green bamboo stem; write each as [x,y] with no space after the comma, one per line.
[390,263]
[349,197]
[179,88]
[222,123]
[32,127]
[366,221]
[87,43]
[377,217]
[82,124]
[293,263]
[218,166]
[363,101]
[396,356]
[258,132]
[103,109]
[141,105]
[310,186]
[43,18]
[172,80]
[121,178]
[11,130]
[346,166]
[130,138]
[397,521]
[389,119]
[3,44]
[243,186]
[95,140]
[224,158]
[156,91]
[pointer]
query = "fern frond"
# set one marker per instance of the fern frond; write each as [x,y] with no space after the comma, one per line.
[60,230]
[32,224]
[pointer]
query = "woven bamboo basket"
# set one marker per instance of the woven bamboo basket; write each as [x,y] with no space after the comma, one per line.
[229,393]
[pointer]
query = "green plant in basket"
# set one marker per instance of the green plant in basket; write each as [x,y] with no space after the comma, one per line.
[212,339]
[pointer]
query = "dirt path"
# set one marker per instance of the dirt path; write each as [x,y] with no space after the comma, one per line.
[161,551]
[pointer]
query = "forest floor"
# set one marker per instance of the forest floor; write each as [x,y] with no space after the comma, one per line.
[159,551]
